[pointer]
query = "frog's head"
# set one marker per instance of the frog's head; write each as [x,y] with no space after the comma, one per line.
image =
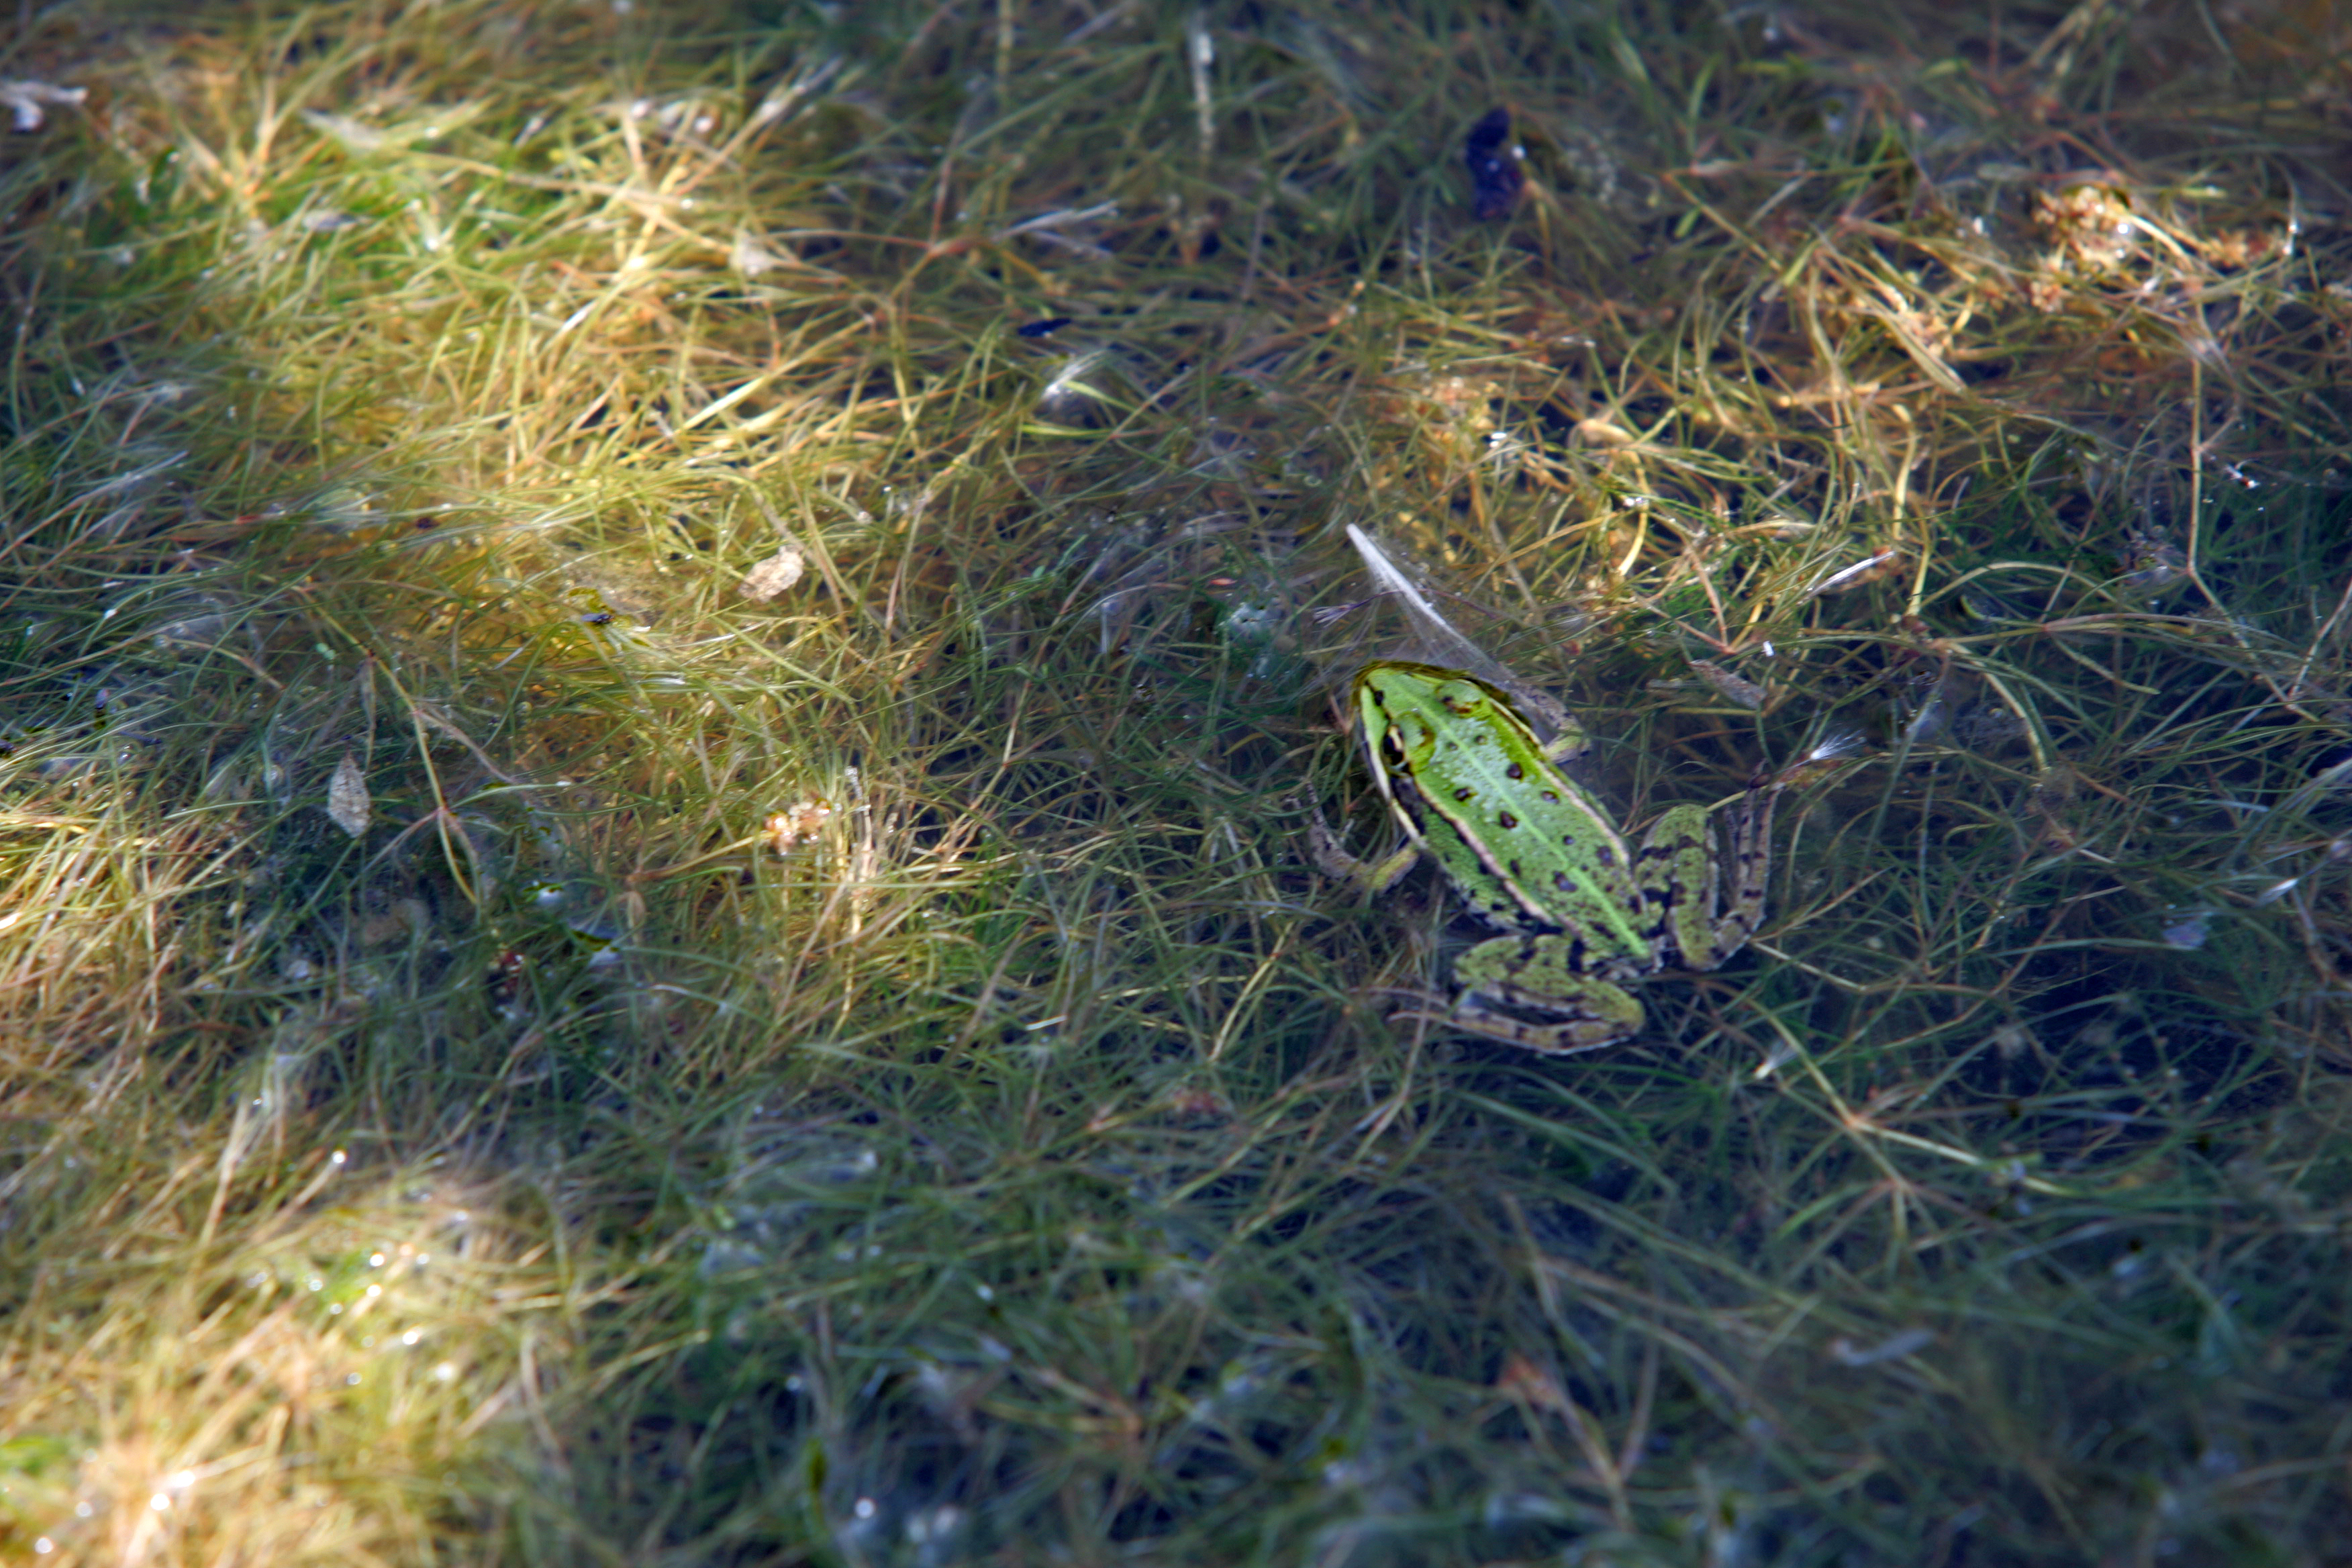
[1426,697]
[1396,690]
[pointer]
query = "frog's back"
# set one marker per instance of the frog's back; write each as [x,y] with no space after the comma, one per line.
[1526,847]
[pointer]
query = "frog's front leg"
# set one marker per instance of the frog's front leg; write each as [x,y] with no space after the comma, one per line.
[1540,975]
[1693,914]
[1331,858]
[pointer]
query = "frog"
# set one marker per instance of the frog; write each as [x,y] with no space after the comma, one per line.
[1583,910]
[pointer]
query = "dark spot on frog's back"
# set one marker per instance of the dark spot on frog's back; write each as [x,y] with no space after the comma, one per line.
[1507,820]
[1552,795]
[1462,794]
[1515,772]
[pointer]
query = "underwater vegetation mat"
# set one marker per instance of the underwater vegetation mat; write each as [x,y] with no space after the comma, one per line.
[664,677]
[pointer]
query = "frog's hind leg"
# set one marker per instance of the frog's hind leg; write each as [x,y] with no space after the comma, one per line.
[1542,975]
[1681,877]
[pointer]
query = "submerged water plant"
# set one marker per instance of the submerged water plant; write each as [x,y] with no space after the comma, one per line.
[665,675]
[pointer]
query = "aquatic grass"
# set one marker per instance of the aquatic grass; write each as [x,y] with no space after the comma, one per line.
[863,1074]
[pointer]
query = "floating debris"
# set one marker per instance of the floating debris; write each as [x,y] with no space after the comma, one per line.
[797,823]
[1730,686]
[772,576]
[26,100]
[347,797]
[1495,176]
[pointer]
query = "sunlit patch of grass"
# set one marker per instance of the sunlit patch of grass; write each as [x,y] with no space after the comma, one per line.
[261,1350]
[522,1044]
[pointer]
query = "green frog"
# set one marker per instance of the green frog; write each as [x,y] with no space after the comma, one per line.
[1533,854]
